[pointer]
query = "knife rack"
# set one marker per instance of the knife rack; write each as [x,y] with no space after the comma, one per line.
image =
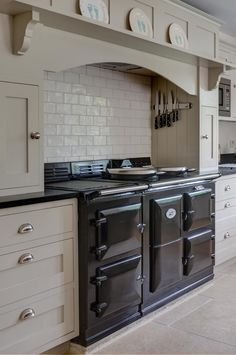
[168,109]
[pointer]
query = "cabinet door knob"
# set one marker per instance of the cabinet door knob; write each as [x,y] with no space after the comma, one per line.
[26,259]
[35,135]
[227,205]
[205,136]
[227,188]
[27,314]
[26,228]
[227,235]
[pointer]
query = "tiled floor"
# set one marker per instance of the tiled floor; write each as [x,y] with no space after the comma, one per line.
[202,322]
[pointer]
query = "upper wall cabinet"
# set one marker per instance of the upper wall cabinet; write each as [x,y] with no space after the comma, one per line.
[19,139]
[227,53]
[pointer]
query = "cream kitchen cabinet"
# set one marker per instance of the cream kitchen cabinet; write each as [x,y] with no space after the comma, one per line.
[208,138]
[233,94]
[227,53]
[20,146]
[38,276]
[225,218]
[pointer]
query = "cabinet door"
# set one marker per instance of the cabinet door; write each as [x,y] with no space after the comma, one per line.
[233,93]
[209,138]
[19,153]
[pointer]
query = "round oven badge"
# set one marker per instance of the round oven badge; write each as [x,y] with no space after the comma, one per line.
[171,213]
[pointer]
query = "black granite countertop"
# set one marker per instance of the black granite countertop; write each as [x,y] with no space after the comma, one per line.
[27,199]
[227,171]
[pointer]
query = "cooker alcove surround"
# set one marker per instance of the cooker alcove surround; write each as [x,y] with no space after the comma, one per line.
[53,38]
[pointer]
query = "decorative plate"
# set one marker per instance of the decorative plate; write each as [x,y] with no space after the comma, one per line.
[95,10]
[140,23]
[178,36]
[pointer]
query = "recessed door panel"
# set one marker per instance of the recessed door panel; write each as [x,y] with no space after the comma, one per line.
[165,220]
[118,230]
[118,286]
[197,209]
[198,252]
[165,265]
[19,154]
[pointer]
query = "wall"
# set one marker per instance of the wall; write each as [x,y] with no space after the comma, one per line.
[92,113]
[227,137]
[176,145]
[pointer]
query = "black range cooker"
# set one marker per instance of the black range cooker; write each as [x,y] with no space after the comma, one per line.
[142,243]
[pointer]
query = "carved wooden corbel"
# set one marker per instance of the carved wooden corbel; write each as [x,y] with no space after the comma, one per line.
[23,29]
[215,76]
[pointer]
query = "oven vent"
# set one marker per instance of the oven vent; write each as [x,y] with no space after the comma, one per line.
[57,172]
[89,169]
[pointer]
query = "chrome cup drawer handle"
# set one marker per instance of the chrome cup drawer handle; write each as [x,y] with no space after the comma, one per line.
[227,205]
[227,235]
[227,188]
[27,314]
[26,228]
[26,259]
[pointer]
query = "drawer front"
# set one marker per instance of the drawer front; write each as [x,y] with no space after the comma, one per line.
[29,272]
[225,189]
[225,228]
[35,321]
[227,213]
[20,227]
[226,205]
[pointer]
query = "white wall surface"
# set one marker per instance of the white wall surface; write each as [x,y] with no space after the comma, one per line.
[227,137]
[92,113]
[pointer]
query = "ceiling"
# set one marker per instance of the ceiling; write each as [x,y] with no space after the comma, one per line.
[224,10]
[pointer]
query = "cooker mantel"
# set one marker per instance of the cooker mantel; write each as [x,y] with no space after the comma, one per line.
[69,40]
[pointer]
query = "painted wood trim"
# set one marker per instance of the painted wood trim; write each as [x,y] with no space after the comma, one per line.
[23,30]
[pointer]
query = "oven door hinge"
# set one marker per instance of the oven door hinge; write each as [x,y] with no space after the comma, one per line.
[98,280]
[141,278]
[99,308]
[141,227]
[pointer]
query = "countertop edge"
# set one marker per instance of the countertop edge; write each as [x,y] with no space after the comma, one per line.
[30,199]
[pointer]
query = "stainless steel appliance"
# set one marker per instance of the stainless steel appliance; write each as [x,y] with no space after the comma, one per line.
[141,242]
[225,98]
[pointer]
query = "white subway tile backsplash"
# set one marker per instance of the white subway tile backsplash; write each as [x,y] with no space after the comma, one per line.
[79,110]
[71,99]
[71,140]
[86,141]
[63,108]
[100,140]
[71,120]
[79,130]
[93,113]
[93,131]
[64,130]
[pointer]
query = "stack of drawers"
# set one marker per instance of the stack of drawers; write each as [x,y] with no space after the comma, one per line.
[225,218]
[38,276]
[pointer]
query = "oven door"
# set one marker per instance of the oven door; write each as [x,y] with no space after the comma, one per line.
[118,286]
[117,230]
[166,217]
[198,252]
[197,209]
[166,265]
[165,242]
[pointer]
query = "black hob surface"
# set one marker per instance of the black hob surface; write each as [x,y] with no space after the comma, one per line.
[89,185]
